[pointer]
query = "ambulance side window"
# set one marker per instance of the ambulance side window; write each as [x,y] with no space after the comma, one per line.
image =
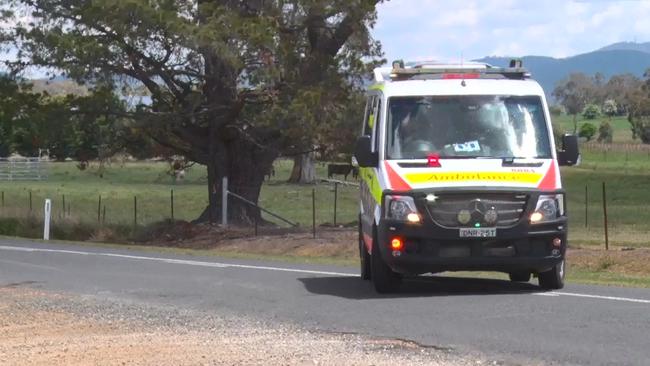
[376,124]
[369,116]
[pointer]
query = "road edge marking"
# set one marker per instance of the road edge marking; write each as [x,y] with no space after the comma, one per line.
[599,297]
[177,261]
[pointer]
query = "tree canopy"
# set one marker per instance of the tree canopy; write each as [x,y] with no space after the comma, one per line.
[232,83]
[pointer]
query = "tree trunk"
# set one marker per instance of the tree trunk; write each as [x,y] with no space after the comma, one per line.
[575,123]
[304,169]
[245,164]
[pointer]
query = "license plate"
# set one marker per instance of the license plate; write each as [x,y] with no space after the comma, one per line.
[485,232]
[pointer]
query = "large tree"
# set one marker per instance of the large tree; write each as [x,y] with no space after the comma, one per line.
[232,83]
[574,92]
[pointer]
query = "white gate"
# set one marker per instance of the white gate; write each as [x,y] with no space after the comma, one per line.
[23,168]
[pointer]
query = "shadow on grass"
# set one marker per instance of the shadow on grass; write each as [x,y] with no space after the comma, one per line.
[424,286]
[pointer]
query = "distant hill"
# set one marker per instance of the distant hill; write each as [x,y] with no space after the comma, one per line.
[549,71]
[628,46]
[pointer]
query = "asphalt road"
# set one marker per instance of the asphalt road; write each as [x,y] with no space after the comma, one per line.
[582,325]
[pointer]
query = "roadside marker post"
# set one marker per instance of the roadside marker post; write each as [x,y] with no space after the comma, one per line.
[224,202]
[46,216]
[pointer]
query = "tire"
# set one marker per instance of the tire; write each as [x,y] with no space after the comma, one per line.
[553,279]
[364,257]
[383,278]
[519,276]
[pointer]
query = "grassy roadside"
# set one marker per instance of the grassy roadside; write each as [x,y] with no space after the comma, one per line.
[586,265]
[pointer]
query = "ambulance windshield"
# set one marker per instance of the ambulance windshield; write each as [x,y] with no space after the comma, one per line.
[491,126]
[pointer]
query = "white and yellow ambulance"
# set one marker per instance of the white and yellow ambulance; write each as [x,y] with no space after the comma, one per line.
[460,172]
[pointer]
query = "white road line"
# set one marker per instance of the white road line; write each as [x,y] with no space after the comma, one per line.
[549,294]
[178,261]
[615,298]
[278,269]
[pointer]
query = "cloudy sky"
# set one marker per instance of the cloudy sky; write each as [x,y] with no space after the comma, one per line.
[445,30]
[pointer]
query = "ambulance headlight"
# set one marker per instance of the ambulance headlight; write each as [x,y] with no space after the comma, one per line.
[548,208]
[402,208]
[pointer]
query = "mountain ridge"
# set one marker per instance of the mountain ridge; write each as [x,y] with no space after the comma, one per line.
[549,71]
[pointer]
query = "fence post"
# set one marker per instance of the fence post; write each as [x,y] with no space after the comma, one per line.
[336,191]
[224,201]
[313,211]
[104,215]
[605,217]
[586,205]
[3,198]
[46,219]
[64,206]
[30,201]
[172,203]
[99,209]
[135,212]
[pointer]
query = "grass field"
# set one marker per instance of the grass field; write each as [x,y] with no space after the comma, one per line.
[152,187]
[620,125]
[625,170]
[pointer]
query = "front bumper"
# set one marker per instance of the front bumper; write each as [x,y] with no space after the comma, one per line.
[429,247]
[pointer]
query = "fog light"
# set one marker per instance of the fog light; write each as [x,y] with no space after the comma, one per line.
[557,242]
[536,217]
[397,244]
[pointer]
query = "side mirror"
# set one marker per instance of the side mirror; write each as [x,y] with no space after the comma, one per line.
[570,153]
[363,154]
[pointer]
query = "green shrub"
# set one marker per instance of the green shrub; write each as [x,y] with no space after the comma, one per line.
[605,132]
[587,130]
[591,111]
[9,226]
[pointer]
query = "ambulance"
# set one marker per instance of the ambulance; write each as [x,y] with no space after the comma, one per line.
[459,172]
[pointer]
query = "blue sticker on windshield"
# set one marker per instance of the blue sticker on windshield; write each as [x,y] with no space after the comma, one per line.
[469,146]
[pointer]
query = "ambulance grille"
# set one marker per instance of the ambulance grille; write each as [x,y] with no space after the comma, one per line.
[469,210]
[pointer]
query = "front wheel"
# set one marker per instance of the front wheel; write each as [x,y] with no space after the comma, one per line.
[554,278]
[384,278]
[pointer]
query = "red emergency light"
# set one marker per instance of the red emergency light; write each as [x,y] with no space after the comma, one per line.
[433,161]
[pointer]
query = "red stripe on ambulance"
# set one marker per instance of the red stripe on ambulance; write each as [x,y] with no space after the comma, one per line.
[396,182]
[549,182]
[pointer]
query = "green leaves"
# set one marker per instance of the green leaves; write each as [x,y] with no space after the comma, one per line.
[289,65]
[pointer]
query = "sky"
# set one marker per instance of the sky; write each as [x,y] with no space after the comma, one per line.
[464,30]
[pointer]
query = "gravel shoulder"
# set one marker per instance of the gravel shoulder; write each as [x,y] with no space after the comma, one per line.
[44,328]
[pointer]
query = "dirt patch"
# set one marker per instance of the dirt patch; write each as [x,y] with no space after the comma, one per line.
[329,242]
[38,328]
[627,261]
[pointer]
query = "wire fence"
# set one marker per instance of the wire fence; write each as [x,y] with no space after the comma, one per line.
[305,207]
[78,211]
